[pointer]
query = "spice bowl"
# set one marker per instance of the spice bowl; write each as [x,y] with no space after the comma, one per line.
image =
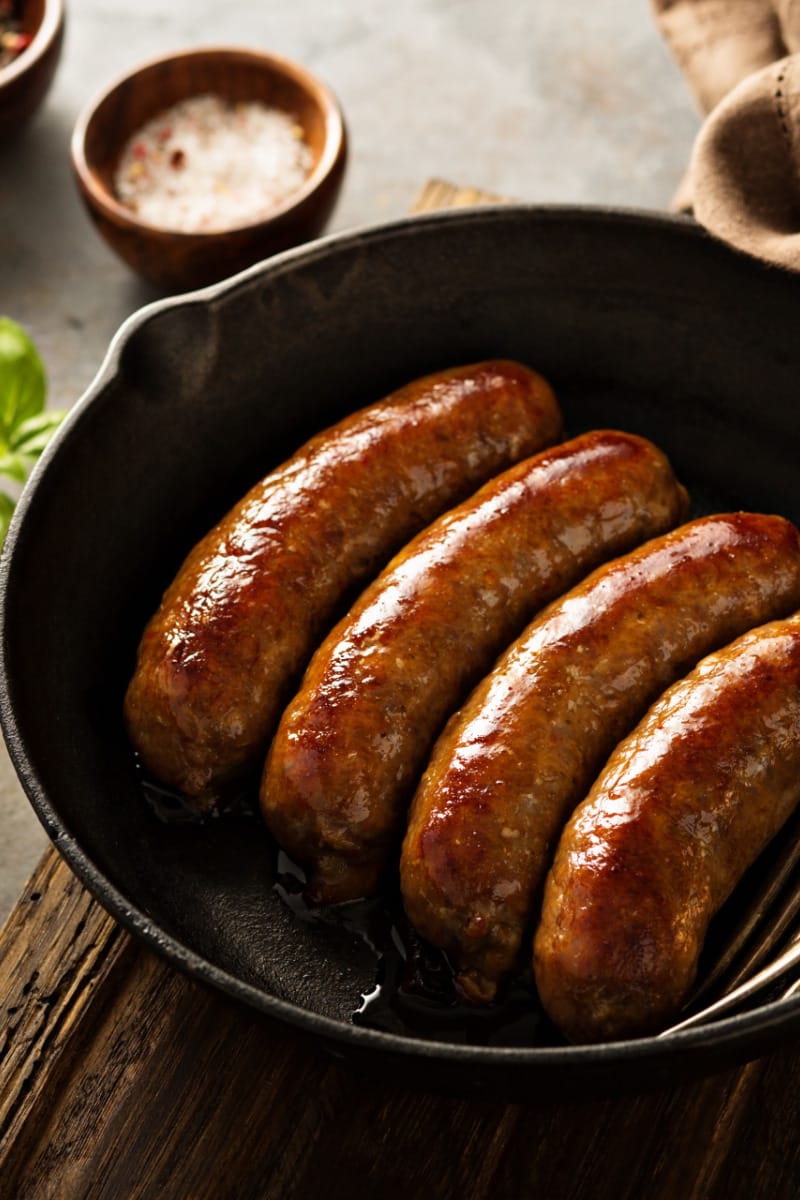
[193,228]
[38,25]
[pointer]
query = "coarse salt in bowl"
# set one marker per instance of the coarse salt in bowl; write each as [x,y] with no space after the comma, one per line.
[206,165]
[201,163]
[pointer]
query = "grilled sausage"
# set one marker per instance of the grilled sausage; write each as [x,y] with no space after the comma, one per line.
[352,744]
[218,660]
[516,760]
[683,807]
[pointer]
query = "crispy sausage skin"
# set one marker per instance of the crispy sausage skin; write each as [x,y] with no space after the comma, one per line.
[218,660]
[353,743]
[685,804]
[516,760]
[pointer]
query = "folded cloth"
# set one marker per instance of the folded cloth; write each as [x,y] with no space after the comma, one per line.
[717,43]
[742,60]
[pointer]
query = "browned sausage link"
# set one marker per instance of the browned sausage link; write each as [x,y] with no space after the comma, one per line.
[351,746]
[219,658]
[684,806]
[522,753]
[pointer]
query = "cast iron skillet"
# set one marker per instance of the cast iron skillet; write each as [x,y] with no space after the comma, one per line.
[642,322]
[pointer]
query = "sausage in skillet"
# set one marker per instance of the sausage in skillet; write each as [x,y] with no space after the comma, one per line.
[352,744]
[219,659]
[683,807]
[521,754]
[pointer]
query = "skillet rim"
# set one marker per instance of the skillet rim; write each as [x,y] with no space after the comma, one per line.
[719,1041]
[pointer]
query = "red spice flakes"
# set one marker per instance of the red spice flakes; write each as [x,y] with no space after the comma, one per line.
[13,39]
[206,165]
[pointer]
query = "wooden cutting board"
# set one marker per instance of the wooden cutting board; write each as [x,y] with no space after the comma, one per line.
[121,1079]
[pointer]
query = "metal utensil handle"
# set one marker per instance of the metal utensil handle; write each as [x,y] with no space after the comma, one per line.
[782,965]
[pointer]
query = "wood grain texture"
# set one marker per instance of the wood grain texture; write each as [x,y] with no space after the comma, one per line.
[59,955]
[122,1080]
[437,193]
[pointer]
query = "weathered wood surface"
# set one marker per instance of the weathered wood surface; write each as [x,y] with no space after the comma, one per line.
[120,1079]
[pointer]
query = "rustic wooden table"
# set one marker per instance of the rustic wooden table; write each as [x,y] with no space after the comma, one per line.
[121,1079]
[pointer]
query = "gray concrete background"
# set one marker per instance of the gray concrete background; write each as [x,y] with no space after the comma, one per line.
[551,100]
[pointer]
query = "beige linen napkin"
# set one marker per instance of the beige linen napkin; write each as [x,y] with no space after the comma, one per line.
[742,60]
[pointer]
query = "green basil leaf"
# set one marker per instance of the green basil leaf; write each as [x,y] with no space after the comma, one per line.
[25,425]
[6,509]
[31,436]
[15,466]
[23,384]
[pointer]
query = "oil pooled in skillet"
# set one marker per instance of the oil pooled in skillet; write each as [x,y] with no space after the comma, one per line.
[170,807]
[173,809]
[414,993]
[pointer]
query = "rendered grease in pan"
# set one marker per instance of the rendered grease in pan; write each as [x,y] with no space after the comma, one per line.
[415,993]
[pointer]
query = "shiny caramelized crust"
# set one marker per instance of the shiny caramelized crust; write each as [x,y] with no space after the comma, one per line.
[219,658]
[684,806]
[515,761]
[353,743]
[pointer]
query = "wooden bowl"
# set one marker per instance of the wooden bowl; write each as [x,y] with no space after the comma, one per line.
[25,81]
[178,261]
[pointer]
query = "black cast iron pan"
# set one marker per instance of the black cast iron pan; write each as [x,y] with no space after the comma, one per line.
[642,322]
